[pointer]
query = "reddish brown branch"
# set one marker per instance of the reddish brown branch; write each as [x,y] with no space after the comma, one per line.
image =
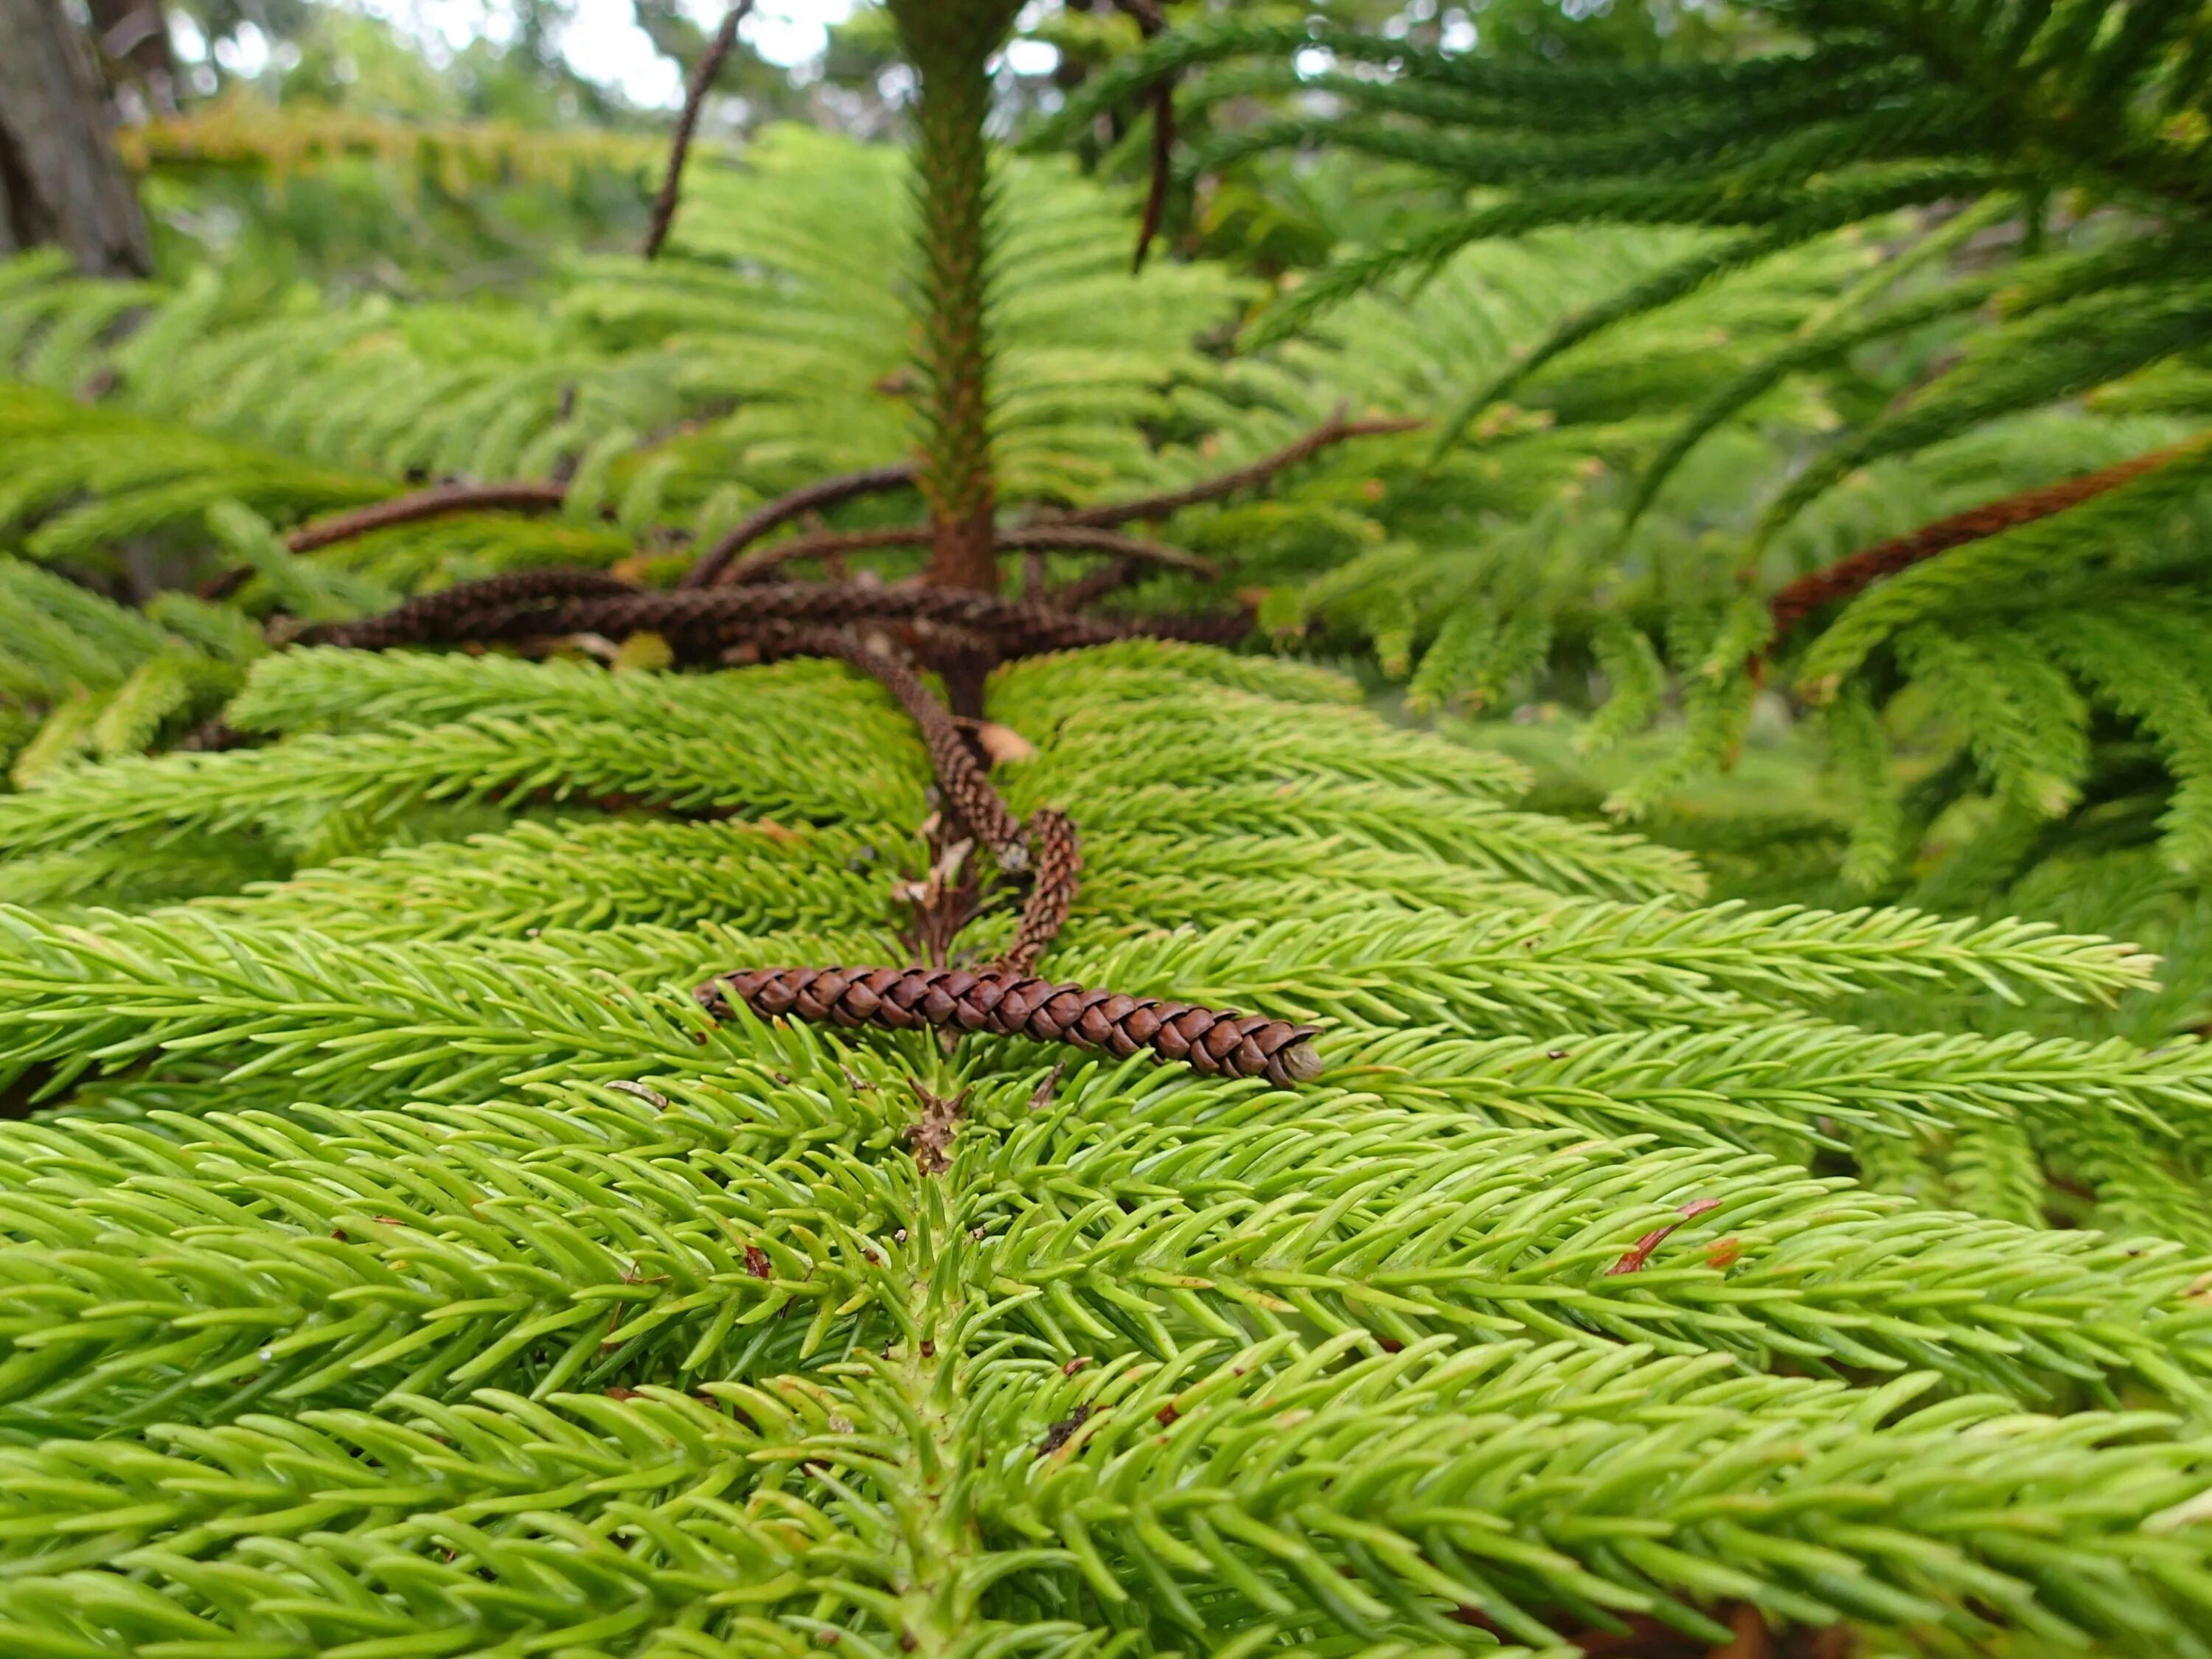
[1218,1041]
[1065,536]
[1095,585]
[1849,576]
[821,544]
[960,777]
[1151,21]
[679,145]
[1334,430]
[434,503]
[1058,861]
[811,498]
[701,624]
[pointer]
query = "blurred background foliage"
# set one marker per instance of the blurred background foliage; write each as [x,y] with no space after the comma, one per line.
[397,245]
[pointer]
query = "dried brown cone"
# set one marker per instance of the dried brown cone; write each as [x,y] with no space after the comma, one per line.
[1219,1042]
[1057,855]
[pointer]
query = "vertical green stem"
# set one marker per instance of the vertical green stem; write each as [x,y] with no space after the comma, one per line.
[950,44]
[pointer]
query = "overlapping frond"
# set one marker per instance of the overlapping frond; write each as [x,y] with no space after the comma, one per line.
[403,1252]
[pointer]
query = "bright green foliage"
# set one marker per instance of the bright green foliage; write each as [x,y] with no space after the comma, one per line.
[766,348]
[402,1262]
[81,676]
[2022,186]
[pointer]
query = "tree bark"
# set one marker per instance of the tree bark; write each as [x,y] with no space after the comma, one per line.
[61,180]
[133,37]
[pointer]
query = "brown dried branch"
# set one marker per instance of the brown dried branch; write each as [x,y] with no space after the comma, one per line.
[1151,21]
[679,145]
[451,614]
[771,619]
[809,498]
[434,503]
[1335,429]
[1063,537]
[1216,1040]
[959,775]
[1058,856]
[1849,576]
[1109,578]
[821,544]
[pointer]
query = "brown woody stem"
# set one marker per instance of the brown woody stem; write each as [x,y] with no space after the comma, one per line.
[1151,21]
[1334,430]
[679,145]
[699,624]
[434,503]
[1064,537]
[1041,537]
[809,498]
[1849,576]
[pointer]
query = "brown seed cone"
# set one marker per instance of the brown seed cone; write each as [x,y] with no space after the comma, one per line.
[1058,856]
[1217,1040]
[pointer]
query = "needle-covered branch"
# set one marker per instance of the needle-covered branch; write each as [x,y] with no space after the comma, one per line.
[679,145]
[1850,576]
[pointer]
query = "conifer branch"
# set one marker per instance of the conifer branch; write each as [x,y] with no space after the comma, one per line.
[434,503]
[1069,538]
[1335,429]
[1859,571]
[1052,537]
[679,145]
[1151,23]
[701,624]
[949,43]
[807,498]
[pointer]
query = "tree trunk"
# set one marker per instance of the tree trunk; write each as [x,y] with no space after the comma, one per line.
[133,38]
[950,44]
[61,180]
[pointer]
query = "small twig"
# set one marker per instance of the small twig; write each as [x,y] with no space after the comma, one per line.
[1063,536]
[825,544]
[811,498]
[959,774]
[1109,578]
[434,503]
[1149,22]
[1059,861]
[1334,430]
[1854,573]
[694,97]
